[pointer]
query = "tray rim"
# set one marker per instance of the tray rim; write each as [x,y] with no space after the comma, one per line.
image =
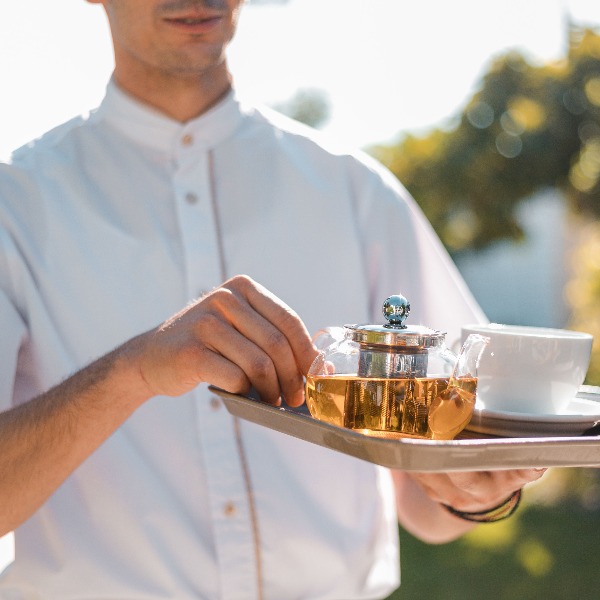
[415,454]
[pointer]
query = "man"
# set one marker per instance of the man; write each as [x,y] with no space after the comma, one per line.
[122,475]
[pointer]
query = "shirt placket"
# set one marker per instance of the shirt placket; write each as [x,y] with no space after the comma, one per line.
[230,507]
[197,220]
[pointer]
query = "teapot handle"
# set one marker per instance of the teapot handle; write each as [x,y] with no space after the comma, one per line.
[456,345]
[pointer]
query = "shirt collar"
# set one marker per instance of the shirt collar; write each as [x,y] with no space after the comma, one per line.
[150,127]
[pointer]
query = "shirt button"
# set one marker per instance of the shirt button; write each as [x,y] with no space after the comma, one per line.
[191,198]
[229,509]
[215,404]
[187,140]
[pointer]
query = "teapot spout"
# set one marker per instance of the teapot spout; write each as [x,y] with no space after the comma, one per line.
[469,357]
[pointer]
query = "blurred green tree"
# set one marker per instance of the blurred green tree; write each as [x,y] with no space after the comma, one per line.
[308,105]
[528,127]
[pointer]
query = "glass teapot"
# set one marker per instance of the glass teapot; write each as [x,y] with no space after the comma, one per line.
[392,380]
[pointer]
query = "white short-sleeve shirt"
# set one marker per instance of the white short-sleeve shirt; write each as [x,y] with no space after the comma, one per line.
[113,222]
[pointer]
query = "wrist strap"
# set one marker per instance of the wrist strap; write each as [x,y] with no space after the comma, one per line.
[492,515]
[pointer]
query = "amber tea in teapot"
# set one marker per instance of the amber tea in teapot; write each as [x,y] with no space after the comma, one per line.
[394,381]
[423,407]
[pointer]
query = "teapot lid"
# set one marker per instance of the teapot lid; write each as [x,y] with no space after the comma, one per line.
[395,333]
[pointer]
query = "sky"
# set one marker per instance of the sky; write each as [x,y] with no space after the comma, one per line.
[386,66]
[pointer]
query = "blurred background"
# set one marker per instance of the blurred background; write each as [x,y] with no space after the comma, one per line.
[489,113]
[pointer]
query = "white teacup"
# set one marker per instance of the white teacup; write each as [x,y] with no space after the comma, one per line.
[532,370]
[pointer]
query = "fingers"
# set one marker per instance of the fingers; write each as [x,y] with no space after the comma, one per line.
[283,318]
[236,337]
[477,490]
[252,354]
[280,352]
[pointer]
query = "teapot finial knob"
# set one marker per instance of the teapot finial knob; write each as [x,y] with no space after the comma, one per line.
[396,309]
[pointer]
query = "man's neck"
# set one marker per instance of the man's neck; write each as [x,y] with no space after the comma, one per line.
[180,98]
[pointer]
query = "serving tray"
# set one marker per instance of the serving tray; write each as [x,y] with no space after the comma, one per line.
[469,452]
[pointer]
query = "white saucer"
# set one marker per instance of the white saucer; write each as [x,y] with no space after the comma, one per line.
[582,414]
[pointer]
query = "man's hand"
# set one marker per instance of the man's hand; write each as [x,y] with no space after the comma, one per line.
[420,497]
[236,337]
[475,491]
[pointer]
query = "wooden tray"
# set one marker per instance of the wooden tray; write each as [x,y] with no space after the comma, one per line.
[469,452]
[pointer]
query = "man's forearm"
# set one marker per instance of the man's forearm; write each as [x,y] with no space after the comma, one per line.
[423,517]
[45,439]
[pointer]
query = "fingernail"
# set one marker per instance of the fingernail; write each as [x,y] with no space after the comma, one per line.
[297,399]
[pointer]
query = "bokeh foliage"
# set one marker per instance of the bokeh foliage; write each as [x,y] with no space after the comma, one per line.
[310,106]
[583,291]
[528,127]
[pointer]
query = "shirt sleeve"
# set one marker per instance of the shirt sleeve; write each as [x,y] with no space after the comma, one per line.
[404,255]
[13,333]
[12,326]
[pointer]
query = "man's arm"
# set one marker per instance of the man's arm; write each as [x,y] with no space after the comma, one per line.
[44,440]
[237,337]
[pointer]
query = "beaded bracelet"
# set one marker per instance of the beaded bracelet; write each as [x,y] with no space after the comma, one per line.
[492,515]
